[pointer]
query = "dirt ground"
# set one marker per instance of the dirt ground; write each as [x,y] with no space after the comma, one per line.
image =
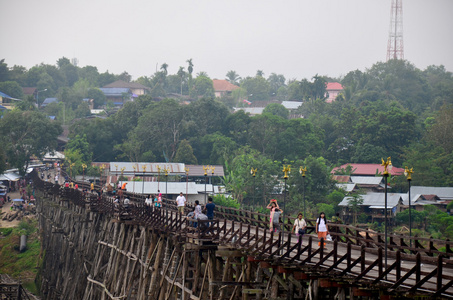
[5,209]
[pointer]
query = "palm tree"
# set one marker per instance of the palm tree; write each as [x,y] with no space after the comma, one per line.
[202,73]
[181,73]
[260,73]
[233,77]
[190,67]
[164,68]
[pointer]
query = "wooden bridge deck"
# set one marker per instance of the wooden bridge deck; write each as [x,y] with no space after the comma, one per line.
[356,255]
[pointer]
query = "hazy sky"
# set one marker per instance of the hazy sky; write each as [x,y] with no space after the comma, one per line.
[296,38]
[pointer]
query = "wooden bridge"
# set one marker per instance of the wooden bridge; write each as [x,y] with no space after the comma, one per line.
[145,252]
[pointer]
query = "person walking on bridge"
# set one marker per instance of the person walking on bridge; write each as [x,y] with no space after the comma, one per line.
[181,202]
[321,228]
[299,225]
[272,206]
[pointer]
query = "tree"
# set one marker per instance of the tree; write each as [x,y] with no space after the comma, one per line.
[205,116]
[233,77]
[164,68]
[190,67]
[441,132]
[202,73]
[182,75]
[159,129]
[102,135]
[4,70]
[318,87]
[98,97]
[27,133]
[125,77]
[257,88]
[214,148]
[105,78]
[354,203]
[12,89]
[184,154]
[91,74]
[276,109]
[190,70]
[83,110]
[80,143]
[29,103]
[203,87]
[2,161]
[275,83]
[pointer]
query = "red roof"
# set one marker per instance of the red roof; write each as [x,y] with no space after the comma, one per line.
[29,90]
[332,86]
[223,86]
[369,169]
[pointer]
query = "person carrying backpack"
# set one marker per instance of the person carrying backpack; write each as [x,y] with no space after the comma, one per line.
[276,219]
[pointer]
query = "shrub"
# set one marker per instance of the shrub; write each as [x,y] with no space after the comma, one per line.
[226,201]
[6,231]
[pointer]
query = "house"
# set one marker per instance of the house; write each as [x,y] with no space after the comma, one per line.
[374,206]
[30,91]
[7,101]
[47,101]
[136,89]
[253,111]
[118,96]
[368,183]
[333,89]
[292,107]
[342,178]
[367,169]
[223,87]
[428,195]
[347,187]
[257,107]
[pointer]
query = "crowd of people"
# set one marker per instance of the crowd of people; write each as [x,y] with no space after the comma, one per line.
[300,225]
[207,212]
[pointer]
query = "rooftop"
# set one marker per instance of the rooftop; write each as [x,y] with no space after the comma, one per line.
[369,169]
[223,86]
[376,200]
[124,84]
[331,86]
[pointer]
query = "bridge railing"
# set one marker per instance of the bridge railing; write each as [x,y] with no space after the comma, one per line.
[403,270]
[340,232]
[360,255]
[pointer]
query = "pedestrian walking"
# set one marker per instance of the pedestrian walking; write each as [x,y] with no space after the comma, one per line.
[321,228]
[299,225]
[276,219]
[181,202]
[272,206]
[149,200]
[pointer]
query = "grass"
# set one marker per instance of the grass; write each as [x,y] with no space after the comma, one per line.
[21,266]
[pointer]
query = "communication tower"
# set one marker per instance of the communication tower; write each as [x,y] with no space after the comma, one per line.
[395,46]
[75,61]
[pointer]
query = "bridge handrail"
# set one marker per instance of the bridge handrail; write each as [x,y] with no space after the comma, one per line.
[341,232]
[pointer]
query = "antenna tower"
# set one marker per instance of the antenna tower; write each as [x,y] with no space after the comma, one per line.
[395,46]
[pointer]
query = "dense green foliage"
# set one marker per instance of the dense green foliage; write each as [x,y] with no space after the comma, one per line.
[21,266]
[26,134]
[431,219]
[391,109]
